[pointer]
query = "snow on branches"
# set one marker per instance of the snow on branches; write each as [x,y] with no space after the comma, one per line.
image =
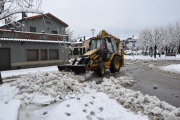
[8,8]
[160,38]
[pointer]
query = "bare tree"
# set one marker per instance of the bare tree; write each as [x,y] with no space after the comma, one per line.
[70,33]
[145,39]
[174,35]
[9,8]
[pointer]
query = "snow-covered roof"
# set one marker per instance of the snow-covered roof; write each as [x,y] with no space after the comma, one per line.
[77,43]
[78,40]
[31,40]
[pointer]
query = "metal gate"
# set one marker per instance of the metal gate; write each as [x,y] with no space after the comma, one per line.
[5,60]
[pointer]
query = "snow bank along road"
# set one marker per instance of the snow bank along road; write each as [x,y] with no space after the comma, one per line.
[152,73]
[44,88]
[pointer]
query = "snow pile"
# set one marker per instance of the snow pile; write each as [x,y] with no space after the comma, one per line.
[151,66]
[92,106]
[125,81]
[18,73]
[46,87]
[136,101]
[173,68]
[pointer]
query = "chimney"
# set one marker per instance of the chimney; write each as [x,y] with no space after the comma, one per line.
[23,15]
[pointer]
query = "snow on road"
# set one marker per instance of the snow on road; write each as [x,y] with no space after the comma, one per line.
[43,88]
[173,68]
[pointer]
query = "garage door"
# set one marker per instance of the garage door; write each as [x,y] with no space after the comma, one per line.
[32,55]
[53,54]
[5,61]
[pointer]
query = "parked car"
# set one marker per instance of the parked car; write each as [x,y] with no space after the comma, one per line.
[127,52]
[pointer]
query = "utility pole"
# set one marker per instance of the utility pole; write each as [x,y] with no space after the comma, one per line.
[133,45]
[64,42]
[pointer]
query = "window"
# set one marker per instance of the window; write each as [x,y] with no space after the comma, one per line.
[43,54]
[109,46]
[53,54]
[32,29]
[114,43]
[54,32]
[96,44]
[32,55]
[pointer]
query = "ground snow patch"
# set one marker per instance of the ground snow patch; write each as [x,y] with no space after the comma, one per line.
[9,110]
[54,86]
[173,68]
[95,106]
[7,93]
[13,73]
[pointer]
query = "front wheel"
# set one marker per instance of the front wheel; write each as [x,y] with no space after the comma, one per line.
[100,69]
[115,64]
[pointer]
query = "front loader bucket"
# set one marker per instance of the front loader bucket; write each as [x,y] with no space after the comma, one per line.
[75,68]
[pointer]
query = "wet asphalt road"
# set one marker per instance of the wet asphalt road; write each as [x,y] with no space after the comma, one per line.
[168,89]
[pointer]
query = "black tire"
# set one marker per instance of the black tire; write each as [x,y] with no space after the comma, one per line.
[114,67]
[101,69]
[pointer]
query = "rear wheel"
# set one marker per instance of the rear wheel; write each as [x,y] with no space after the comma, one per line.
[115,64]
[100,69]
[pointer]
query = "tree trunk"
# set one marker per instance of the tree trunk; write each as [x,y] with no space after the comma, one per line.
[166,49]
[155,51]
[146,51]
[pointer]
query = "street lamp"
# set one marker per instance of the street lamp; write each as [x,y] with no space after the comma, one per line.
[92,30]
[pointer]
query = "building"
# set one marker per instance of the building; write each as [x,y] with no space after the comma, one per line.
[86,43]
[31,47]
[78,43]
[127,41]
[46,23]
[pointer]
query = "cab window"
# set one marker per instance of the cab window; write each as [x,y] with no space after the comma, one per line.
[114,44]
[109,46]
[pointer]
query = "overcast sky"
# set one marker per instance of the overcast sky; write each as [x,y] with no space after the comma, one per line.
[122,18]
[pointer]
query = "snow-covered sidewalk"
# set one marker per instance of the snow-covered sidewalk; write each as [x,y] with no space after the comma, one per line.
[92,106]
[173,68]
[11,73]
[148,57]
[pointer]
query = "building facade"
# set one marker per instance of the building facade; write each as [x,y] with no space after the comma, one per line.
[46,23]
[38,42]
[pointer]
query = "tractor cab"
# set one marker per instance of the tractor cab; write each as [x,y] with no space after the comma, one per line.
[106,45]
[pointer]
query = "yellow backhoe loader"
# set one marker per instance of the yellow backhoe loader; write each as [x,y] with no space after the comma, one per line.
[104,53]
